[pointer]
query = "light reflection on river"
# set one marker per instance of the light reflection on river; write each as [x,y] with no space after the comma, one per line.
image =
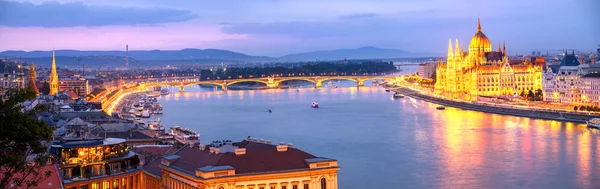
[381,142]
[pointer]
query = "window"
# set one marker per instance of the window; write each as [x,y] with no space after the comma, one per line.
[283,187]
[305,186]
[95,186]
[106,185]
[221,187]
[294,186]
[323,183]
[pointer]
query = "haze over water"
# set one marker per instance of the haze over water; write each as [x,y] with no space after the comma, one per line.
[382,142]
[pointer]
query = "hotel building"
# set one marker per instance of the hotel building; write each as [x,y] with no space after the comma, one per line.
[97,164]
[590,89]
[249,164]
[483,72]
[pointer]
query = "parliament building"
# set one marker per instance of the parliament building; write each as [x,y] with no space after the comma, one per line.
[483,72]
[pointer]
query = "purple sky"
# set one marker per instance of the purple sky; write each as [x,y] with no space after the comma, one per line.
[278,27]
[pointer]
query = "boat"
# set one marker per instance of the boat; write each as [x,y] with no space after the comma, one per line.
[145,114]
[440,107]
[398,95]
[164,91]
[387,90]
[594,123]
[156,126]
[314,105]
[184,135]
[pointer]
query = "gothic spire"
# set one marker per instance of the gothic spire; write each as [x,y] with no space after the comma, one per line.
[499,49]
[504,49]
[450,53]
[457,49]
[478,24]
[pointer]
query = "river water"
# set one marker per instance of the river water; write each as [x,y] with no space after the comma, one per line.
[381,142]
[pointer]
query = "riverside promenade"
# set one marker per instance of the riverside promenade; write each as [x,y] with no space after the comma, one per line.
[558,115]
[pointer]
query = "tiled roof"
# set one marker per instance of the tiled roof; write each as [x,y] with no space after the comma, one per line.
[126,135]
[52,182]
[154,150]
[154,168]
[259,157]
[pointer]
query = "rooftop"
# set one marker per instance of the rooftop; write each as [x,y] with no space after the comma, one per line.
[258,157]
[88,143]
[591,75]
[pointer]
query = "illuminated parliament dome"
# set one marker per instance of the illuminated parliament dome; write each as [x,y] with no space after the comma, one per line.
[480,42]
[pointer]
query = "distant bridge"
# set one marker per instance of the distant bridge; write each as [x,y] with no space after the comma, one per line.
[270,82]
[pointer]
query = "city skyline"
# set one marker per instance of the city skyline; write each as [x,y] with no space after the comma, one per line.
[276,28]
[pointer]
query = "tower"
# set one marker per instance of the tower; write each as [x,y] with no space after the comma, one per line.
[31,79]
[20,77]
[53,77]
[126,56]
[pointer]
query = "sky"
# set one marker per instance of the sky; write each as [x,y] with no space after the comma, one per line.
[280,27]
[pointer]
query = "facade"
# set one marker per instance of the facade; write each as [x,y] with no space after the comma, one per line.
[572,83]
[249,164]
[78,85]
[590,89]
[562,86]
[53,77]
[97,164]
[9,81]
[427,70]
[483,72]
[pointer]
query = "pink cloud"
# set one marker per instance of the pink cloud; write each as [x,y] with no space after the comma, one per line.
[174,36]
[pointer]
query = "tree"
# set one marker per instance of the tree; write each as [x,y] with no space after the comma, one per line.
[24,141]
[575,108]
[582,108]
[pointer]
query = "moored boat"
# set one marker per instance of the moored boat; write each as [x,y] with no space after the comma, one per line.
[440,107]
[164,91]
[156,126]
[594,123]
[145,114]
[398,95]
[184,135]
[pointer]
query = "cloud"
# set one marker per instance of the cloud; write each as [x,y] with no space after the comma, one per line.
[358,16]
[55,14]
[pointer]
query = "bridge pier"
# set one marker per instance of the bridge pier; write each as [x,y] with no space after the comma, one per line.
[181,88]
[318,84]
[360,83]
[224,87]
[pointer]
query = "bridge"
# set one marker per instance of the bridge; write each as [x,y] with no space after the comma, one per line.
[270,82]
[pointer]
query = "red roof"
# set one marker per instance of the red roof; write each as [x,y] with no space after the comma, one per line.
[72,94]
[154,150]
[51,182]
[259,157]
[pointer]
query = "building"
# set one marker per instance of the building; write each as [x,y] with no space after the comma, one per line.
[590,89]
[249,164]
[11,81]
[78,85]
[483,72]
[97,164]
[53,77]
[427,70]
[31,79]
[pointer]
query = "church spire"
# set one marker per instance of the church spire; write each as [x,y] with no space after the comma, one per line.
[478,24]
[450,53]
[504,49]
[457,49]
[53,76]
[499,47]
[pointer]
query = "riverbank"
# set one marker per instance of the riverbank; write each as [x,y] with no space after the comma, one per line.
[504,110]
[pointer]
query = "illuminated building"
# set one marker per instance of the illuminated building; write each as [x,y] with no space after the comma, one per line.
[78,85]
[31,79]
[560,82]
[427,70]
[97,164]
[483,72]
[590,89]
[11,81]
[249,164]
[53,77]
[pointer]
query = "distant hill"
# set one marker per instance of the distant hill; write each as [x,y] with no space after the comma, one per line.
[184,54]
[75,58]
[367,52]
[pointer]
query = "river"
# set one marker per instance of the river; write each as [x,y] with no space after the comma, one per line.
[381,142]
